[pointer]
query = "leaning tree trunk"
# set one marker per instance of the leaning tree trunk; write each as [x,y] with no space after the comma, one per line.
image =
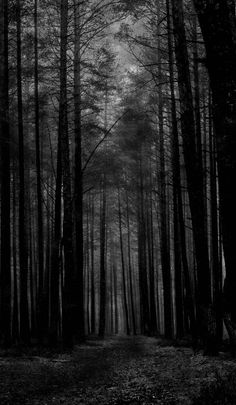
[218,24]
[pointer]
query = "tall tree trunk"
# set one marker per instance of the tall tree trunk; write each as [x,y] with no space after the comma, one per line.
[131,288]
[214,227]
[92,301]
[23,248]
[48,254]
[15,318]
[56,254]
[41,298]
[194,179]
[150,246]
[67,307]
[182,276]
[103,298]
[5,273]
[165,255]
[142,259]
[114,270]
[78,184]
[197,94]
[123,266]
[218,25]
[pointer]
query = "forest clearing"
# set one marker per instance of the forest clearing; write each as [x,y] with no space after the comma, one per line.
[119,370]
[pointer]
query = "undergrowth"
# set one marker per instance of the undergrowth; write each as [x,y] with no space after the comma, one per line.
[220,392]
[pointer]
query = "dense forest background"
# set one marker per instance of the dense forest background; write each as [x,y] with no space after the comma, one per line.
[117,135]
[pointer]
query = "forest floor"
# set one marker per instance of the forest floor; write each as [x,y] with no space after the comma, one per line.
[119,370]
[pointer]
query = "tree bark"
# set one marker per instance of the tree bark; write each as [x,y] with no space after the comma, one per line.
[142,256]
[23,248]
[92,299]
[5,274]
[40,304]
[103,298]
[194,178]
[67,312]
[123,266]
[218,25]
[78,183]
[131,288]
[165,253]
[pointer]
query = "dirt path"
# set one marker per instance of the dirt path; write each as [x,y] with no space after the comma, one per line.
[119,370]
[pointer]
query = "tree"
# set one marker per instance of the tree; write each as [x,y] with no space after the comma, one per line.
[23,248]
[194,177]
[41,295]
[218,25]
[5,269]
[78,178]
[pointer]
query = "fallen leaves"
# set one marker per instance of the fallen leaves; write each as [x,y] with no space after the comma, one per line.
[116,371]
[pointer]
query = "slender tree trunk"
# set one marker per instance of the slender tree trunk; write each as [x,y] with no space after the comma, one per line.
[114,270]
[5,274]
[23,249]
[88,266]
[130,267]
[197,94]
[78,184]
[92,302]
[150,246]
[165,255]
[48,256]
[103,298]
[15,318]
[41,298]
[67,307]
[142,259]
[215,254]
[123,266]
[56,256]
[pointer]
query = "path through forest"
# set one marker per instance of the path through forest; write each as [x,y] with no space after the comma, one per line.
[119,370]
